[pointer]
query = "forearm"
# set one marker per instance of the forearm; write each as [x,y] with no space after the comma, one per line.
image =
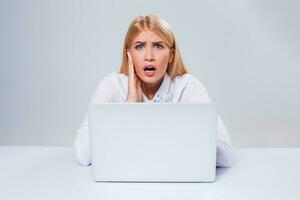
[226,154]
[82,147]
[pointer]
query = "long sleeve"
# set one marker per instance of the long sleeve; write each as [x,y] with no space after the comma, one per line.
[195,92]
[82,144]
[104,93]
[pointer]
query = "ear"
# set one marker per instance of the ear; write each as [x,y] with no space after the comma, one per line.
[171,57]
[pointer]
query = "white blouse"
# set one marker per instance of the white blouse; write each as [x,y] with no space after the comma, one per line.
[184,89]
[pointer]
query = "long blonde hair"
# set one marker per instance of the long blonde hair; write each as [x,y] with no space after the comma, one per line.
[162,28]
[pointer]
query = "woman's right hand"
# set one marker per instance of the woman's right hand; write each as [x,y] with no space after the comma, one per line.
[134,84]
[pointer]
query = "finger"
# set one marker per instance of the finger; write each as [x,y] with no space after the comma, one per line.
[131,75]
[139,91]
[130,65]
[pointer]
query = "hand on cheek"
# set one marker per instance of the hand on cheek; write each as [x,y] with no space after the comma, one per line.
[134,83]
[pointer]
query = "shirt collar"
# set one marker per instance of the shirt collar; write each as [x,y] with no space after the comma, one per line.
[164,93]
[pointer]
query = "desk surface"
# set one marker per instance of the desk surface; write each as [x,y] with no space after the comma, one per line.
[52,173]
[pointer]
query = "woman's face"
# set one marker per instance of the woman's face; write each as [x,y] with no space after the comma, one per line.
[150,57]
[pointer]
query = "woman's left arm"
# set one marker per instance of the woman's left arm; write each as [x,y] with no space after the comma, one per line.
[195,92]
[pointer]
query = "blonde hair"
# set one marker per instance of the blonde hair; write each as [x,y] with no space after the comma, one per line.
[162,28]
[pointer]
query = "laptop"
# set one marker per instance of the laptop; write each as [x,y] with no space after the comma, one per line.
[153,142]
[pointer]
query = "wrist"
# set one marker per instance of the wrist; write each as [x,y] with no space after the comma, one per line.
[130,100]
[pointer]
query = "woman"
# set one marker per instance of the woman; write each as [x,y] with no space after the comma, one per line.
[152,70]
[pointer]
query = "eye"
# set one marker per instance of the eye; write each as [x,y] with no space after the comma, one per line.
[138,46]
[159,46]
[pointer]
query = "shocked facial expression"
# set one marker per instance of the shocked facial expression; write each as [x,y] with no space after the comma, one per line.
[150,56]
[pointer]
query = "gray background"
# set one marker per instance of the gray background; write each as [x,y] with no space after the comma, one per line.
[53,53]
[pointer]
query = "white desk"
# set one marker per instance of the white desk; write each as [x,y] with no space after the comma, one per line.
[52,173]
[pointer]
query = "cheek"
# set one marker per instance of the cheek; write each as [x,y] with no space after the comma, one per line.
[163,60]
[137,62]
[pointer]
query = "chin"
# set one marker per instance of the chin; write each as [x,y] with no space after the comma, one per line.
[150,79]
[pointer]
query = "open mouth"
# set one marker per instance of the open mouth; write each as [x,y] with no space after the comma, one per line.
[150,68]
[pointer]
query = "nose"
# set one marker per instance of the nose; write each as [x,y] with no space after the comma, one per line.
[149,55]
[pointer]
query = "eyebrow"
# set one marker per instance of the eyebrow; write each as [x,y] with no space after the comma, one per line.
[152,42]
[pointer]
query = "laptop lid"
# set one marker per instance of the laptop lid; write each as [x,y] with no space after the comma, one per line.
[153,142]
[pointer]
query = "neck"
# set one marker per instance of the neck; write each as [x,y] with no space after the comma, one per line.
[150,89]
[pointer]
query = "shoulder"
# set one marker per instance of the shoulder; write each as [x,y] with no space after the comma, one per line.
[188,81]
[111,88]
[121,77]
[189,89]
[106,84]
[111,79]
[116,83]
[106,80]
